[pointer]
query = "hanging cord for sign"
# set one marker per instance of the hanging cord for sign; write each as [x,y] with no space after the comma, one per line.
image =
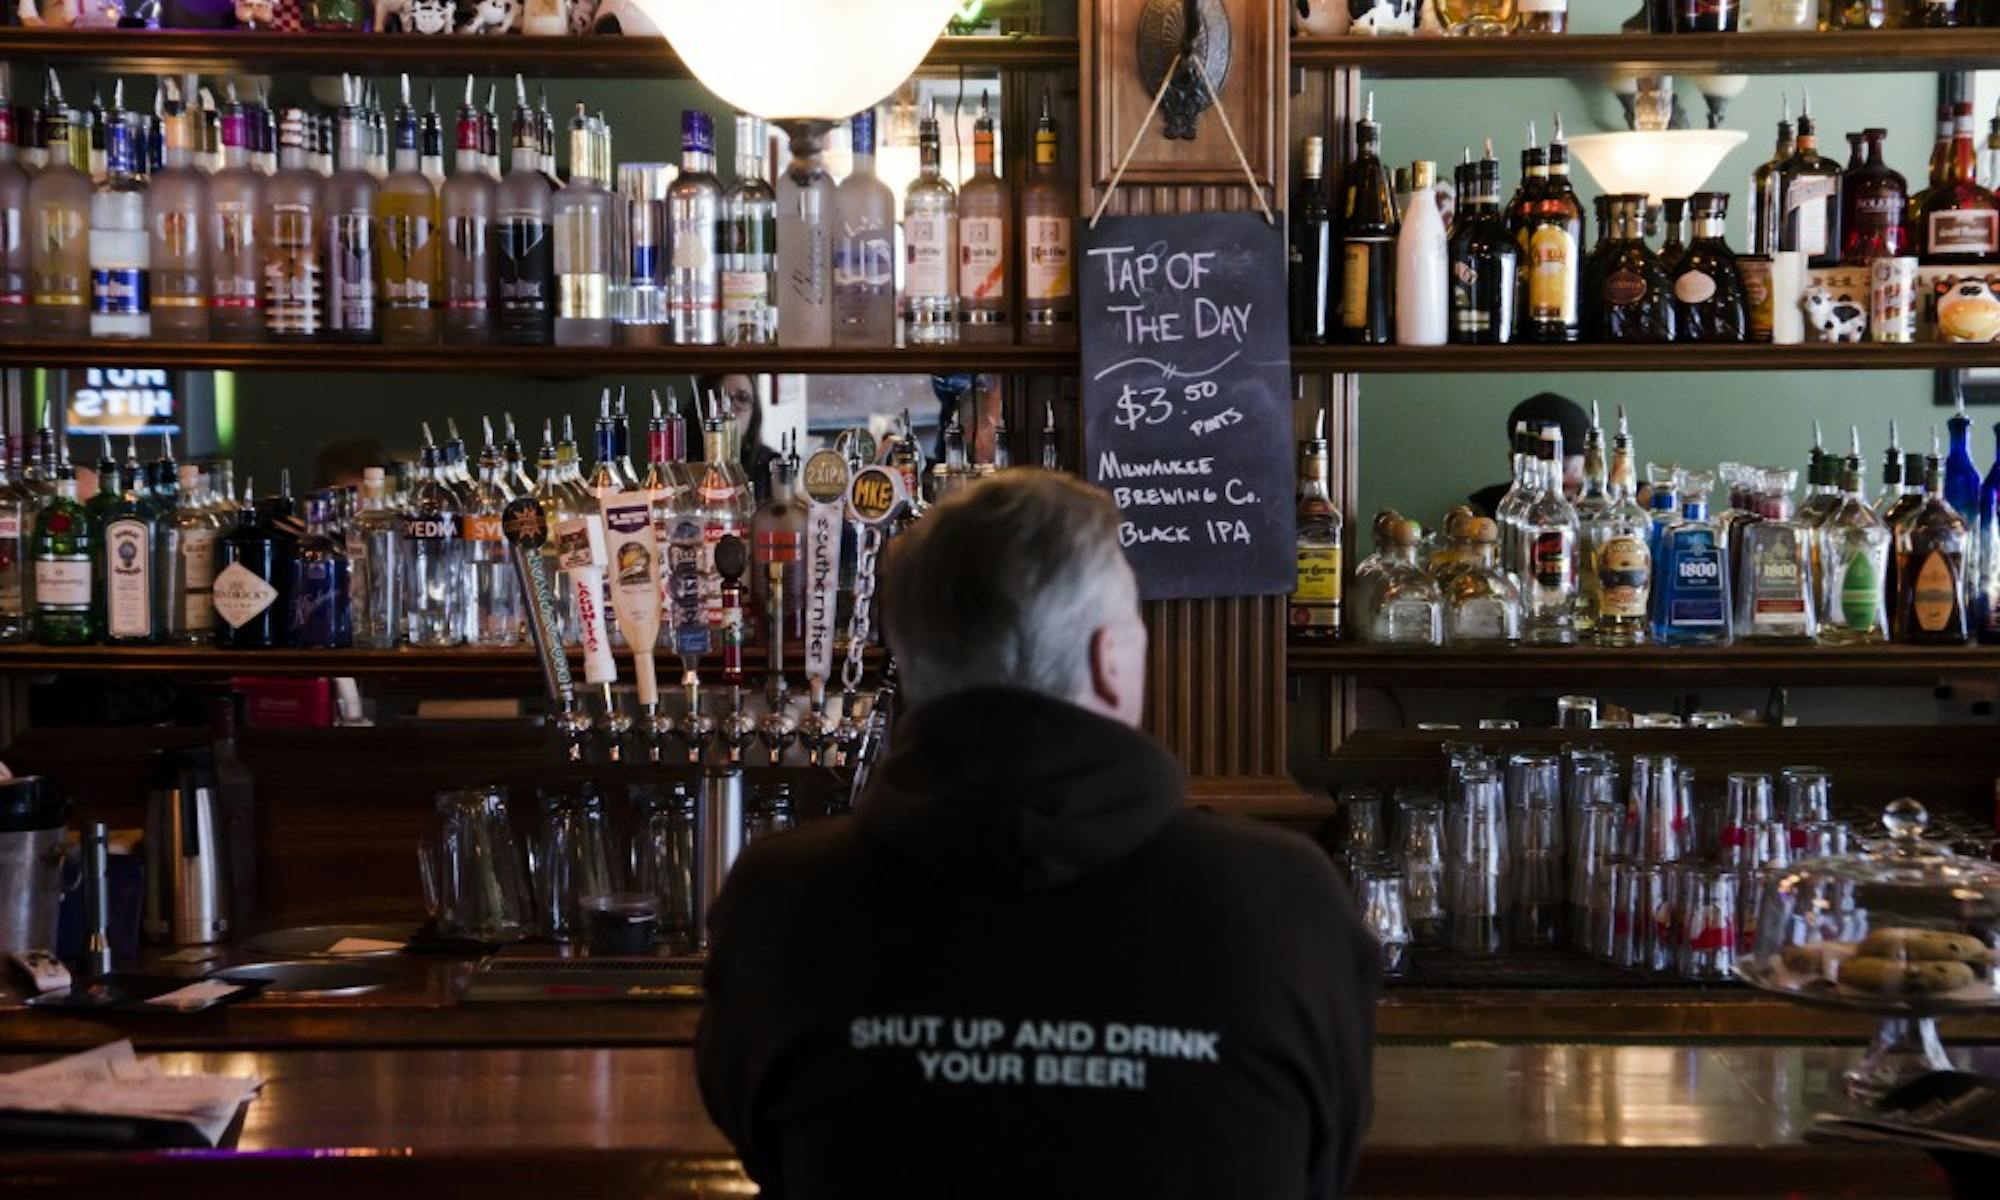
[1134,147]
[1222,113]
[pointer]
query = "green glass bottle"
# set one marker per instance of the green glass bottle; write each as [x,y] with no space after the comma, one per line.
[64,546]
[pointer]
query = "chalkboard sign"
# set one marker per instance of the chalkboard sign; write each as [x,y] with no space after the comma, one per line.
[1187,385]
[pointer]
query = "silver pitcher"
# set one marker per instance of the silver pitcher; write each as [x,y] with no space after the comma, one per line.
[32,819]
[187,872]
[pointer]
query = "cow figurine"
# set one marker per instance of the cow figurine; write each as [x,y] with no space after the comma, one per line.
[1834,317]
[493,16]
[1383,16]
[415,16]
[1967,311]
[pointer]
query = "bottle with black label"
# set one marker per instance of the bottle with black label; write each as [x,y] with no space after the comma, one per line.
[1368,231]
[1311,250]
[245,591]
[1708,289]
[433,559]
[1630,297]
[1809,198]
[1484,260]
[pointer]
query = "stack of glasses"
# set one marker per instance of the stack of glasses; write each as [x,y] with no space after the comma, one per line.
[1533,850]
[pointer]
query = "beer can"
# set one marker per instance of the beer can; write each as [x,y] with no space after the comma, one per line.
[1892,299]
[1756,272]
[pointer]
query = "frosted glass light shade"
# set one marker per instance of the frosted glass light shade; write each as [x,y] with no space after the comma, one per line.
[801,59]
[1660,163]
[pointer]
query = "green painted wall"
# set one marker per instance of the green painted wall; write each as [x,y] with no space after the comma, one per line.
[1427,440]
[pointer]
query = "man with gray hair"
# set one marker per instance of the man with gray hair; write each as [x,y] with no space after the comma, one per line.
[1025,967]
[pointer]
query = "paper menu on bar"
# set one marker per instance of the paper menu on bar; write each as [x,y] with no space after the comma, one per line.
[112,1081]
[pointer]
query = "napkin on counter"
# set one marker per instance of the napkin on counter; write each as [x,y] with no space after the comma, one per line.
[115,1084]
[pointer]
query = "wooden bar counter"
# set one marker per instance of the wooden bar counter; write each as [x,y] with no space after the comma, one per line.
[1530,1120]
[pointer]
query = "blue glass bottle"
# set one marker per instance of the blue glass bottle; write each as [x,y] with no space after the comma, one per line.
[1692,581]
[1961,475]
[1663,506]
[321,616]
[1985,564]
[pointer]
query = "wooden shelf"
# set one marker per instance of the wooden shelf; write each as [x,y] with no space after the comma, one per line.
[462,663]
[1864,356]
[1647,665]
[538,360]
[154,51]
[1926,50]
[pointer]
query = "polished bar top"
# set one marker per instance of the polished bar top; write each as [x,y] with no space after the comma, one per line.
[1527,1120]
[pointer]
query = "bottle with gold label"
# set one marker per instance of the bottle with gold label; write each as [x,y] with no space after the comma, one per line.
[1852,559]
[1620,552]
[406,214]
[1315,608]
[1368,241]
[1931,609]
[1552,254]
[1048,213]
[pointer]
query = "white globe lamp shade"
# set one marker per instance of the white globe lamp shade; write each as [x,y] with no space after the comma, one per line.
[1659,163]
[801,60]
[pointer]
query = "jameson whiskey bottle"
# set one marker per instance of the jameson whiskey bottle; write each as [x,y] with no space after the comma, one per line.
[1708,290]
[1630,296]
[1368,242]
[1552,249]
[1315,606]
[1484,260]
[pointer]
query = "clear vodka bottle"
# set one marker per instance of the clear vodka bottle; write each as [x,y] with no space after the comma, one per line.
[694,212]
[805,246]
[375,567]
[750,244]
[191,571]
[433,559]
[1546,559]
[494,594]
[864,247]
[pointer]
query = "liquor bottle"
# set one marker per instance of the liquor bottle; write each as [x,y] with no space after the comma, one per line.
[15,293]
[433,559]
[1864,14]
[123,572]
[1534,178]
[985,235]
[523,254]
[1938,170]
[65,550]
[352,253]
[318,583]
[1593,501]
[1853,559]
[1482,605]
[1310,251]
[496,616]
[1546,564]
[1315,603]
[430,139]
[18,503]
[751,247]
[1691,605]
[1620,553]
[1708,289]
[1513,503]
[1960,220]
[1601,206]
[719,500]
[1048,217]
[1878,224]
[930,239]
[234,232]
[545,135]
[1940,14]
[1368,241]
[582,227]
[1985,556]
[245,590]
[1933,608]
[1705,16]
[1423,299]
[778,538]
[189,585]
[804,261]
[406,213]
[694,210]
[292,254]
[1774,581]
[93,145]
[375,567]
[1992,160]
[1674,213]
[1544,16]
[1961,476]
[177,208]
[864,248]
[1631,299]
[1551,253]
[489,133]
[1485,262]
[1408,609]
[109,487]
[1809,198]
[1766,213]
[467,205]
[667,476]
[1477,18]
[58,232]
[120,283]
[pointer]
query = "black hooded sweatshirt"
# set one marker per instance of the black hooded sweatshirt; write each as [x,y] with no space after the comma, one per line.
[1025,968]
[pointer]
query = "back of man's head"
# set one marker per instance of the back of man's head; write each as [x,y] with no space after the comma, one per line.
[1017,582]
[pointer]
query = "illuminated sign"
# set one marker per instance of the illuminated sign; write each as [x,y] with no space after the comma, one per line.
[124,400]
